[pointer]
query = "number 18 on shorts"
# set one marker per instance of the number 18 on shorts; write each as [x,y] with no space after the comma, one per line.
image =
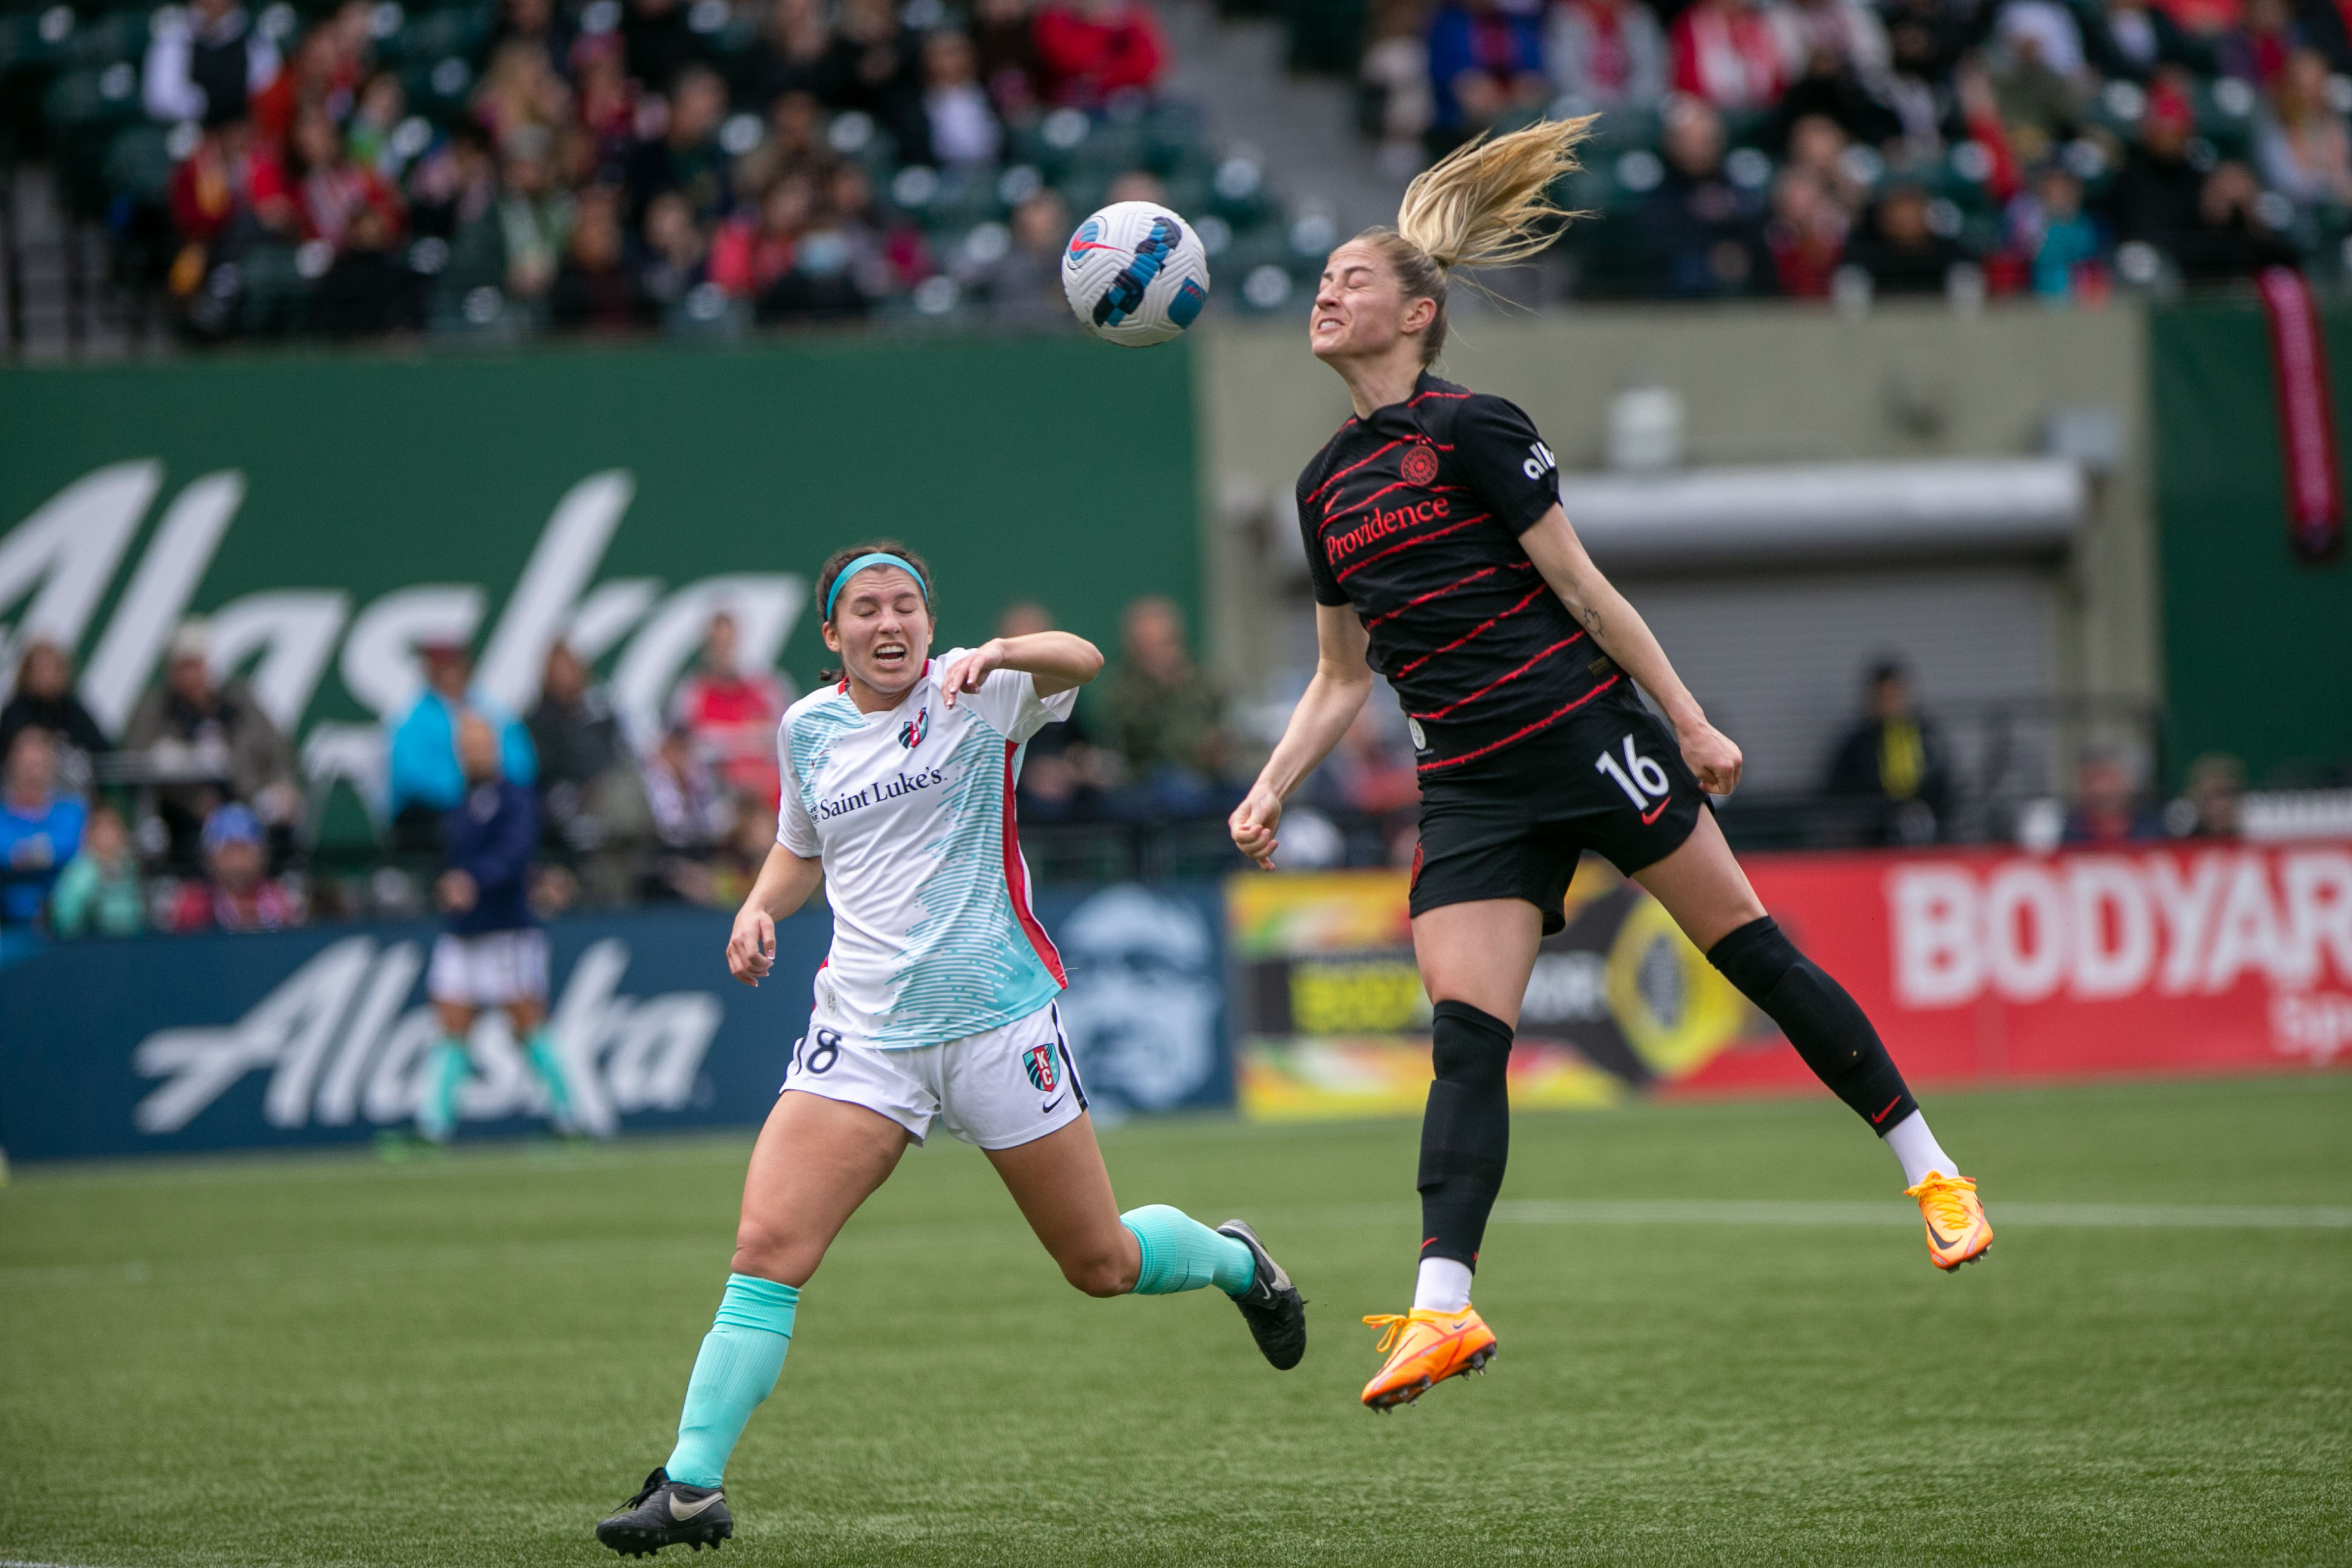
[998,1090]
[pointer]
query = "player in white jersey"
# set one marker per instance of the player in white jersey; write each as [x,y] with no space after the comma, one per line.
[935,1006]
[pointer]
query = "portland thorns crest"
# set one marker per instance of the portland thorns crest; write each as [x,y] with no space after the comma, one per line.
[1418,465]
[911,733]
[1038,1062]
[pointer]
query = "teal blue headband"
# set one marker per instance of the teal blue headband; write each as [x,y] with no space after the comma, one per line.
[878,558]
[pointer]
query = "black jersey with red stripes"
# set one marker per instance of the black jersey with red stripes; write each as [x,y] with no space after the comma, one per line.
[1412,516]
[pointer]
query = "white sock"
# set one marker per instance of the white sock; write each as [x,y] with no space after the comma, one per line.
[1444,1285]
[1917,1148]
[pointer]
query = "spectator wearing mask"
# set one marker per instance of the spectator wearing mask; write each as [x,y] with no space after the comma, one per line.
[1705,236]
[45,697]
[205,62]
[732,713]
[41,826]
[236,893]
[1890,769]
[2107,807]
[491,951]
[1088,50]
[1167,717]
[1733,54]
[1605,55]
[1899,250]
[959,123]
[1484,62]
[210,742]
[425,780]
[2231,240]
[99,892]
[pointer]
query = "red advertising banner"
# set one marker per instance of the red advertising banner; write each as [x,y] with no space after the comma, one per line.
[1989,965]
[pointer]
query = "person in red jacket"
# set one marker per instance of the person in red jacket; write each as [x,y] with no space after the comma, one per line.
[1089,49]
[733,714]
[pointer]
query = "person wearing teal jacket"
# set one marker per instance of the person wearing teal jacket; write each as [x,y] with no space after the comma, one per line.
[425,779]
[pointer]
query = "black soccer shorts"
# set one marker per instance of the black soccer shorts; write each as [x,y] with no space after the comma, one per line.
[1609,778]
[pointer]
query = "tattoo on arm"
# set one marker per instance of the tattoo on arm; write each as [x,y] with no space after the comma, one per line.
[1591,619]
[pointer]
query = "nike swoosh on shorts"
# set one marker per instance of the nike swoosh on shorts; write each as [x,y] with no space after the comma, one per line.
[1046,1109]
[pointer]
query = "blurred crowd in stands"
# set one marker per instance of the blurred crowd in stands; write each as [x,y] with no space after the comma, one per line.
[616,167]
[197,819]
[1834,148]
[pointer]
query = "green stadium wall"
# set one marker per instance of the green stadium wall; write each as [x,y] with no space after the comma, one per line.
[2257,645]
[339,505]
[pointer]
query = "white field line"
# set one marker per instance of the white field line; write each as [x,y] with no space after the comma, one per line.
[2079,1216]
[711,1249]
[20,1562]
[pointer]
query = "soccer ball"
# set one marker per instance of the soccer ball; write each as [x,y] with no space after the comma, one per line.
[1135,274]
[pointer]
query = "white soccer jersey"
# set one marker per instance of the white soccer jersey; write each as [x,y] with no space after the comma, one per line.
[911,812]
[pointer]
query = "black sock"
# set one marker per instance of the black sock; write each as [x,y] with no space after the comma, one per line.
[1828,1028]
[1466,1134]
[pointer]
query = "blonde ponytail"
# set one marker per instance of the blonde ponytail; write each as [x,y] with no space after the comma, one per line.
[1487,204]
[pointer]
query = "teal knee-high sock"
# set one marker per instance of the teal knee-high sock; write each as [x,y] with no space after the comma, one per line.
[740,1357]
[1180,1253]
[437,1110]
[548,1069]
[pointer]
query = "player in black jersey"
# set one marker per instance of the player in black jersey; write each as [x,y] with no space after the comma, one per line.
[1441,558]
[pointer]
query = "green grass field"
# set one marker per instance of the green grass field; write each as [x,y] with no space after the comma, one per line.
[333,1360]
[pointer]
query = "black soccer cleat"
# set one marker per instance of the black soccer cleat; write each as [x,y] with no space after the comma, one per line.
[668,1514]
[1272,1306]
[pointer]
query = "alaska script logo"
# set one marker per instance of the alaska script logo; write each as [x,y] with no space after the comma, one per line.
[1382,524]
[881,789]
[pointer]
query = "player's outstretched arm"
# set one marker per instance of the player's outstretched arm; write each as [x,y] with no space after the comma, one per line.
[1054,661]
[1334,697]
[784,884]
[1624,636]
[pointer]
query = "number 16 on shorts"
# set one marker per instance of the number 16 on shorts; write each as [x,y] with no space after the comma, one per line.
[1641,778]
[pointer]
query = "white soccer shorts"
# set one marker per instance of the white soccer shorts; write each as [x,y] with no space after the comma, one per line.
[999,1090]
[491,968]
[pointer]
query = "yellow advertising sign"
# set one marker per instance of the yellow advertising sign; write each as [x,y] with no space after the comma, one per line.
[1331,1019]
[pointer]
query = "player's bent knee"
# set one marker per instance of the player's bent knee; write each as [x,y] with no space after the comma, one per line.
[1100,1273]
[779,1252]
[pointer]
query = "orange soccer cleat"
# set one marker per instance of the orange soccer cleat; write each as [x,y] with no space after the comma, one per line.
[1958,1231]
[1424,1349]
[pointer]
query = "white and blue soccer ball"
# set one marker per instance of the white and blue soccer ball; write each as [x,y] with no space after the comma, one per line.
[1135,274]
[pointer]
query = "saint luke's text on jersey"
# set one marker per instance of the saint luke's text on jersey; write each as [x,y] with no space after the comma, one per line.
[886,789]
